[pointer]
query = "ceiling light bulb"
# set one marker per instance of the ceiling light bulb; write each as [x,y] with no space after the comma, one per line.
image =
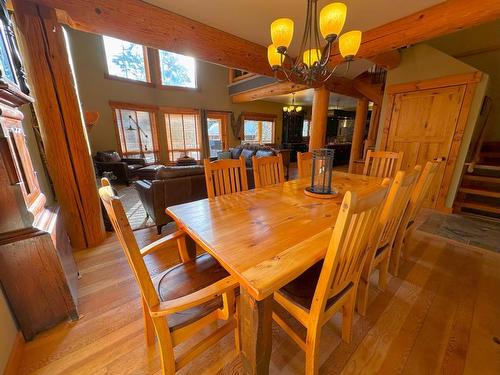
[285,109]
[311,56]
[331,20]
[349,44]
[273,56]
[298,108]
[282,33]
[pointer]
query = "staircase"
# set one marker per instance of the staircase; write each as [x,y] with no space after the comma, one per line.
[479,193]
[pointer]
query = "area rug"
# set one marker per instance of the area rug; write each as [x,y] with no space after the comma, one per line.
[473,231]
[134,209]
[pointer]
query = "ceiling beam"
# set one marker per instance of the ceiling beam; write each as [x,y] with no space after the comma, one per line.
[387,60]
[374,92]
[146,24]
[259,93]
[441,19]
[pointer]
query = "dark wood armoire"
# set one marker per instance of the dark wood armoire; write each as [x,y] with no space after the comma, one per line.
[37,270]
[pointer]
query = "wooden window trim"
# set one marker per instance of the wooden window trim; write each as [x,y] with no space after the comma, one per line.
[260,117]
[152,110]
[166,111]
[224,117]
[154,59]
[108,75]
[233,79]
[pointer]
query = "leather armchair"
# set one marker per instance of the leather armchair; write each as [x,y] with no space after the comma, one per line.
[123,168]
[171,186]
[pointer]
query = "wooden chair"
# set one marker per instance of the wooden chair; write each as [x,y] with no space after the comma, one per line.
[382,163]
[304,164]
[330,285]
[268,170]
[381,246]
[225,176]
[180,301]
[407,224]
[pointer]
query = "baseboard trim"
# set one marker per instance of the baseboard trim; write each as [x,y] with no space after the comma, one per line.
[15,355]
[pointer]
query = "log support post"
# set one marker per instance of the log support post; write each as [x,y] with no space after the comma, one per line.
[359,132]
[319,118]
[62,129]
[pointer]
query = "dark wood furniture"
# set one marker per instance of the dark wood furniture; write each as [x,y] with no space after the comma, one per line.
[38,273]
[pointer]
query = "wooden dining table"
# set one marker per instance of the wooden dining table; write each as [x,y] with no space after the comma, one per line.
[265,238]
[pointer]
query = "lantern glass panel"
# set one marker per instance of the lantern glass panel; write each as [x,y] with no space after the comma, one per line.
[321,174]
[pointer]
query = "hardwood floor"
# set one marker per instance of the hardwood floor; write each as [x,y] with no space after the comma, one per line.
[440,315]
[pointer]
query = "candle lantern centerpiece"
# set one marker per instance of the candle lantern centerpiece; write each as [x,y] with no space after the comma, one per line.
[321,174]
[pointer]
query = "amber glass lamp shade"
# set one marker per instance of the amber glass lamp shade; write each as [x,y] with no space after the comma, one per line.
[349,44]
[282,33]
[273,56]
[298,108]
[311,56]
[331,20]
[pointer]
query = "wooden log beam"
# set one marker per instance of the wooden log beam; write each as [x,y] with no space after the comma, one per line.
[319,118]
[278,88]
[387,60]
[58,111]
[146,24]
[359,131]
[363,84]
[441,19]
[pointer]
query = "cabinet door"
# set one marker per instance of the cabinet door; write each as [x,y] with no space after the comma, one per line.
[422,125]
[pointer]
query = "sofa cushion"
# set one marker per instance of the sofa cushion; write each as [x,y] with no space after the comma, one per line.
[167,172]
[264,152]
[247,154]
[236,152]
[133,167]
[221,155]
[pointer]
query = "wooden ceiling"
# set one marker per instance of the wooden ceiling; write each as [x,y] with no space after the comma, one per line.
[143,23]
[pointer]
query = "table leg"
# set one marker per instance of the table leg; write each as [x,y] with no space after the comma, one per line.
[256,333]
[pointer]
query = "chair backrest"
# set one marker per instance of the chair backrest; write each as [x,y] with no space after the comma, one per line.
[382,163]
[268,170]
[421,190]
[394,207]
[123,231]
[348,246]
[304,164]
[225,176]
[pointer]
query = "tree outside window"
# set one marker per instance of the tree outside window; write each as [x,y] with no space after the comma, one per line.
[125,59]
[177,70]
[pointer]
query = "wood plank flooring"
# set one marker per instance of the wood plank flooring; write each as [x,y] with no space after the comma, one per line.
[440,316]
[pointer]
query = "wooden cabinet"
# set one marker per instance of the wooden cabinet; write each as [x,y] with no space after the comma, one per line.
[37,270]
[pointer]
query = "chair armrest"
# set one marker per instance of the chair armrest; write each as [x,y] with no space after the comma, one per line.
[194,299]
[161,243]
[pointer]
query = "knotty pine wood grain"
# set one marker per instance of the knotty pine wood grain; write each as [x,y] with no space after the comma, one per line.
[109,337]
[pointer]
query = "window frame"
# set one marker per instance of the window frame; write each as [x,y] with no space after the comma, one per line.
[224,118]
[153,116]
[157,68]
[181,111]
[147,66]
[259,117]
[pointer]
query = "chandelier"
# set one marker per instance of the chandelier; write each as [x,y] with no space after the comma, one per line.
[292,109]
[311,64]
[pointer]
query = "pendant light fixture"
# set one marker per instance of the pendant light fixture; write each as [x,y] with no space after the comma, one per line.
[292,109]
[311,64]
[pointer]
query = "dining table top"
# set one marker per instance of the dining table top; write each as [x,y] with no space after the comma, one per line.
[266,237]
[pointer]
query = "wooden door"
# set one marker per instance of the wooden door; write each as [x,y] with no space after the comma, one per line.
[422,124]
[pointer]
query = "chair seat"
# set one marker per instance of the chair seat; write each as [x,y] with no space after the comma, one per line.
[301,290]
[186,278]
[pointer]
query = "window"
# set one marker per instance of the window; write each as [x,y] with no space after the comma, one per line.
[183,134]
[217,132]
[306,128]
[136,131]
[258,128]
[177,70]
[125,59]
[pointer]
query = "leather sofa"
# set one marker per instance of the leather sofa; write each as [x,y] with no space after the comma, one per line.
[123,168]
[247,150]
[171,185]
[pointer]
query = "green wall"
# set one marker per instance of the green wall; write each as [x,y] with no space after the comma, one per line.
[423,62]
[96,91]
